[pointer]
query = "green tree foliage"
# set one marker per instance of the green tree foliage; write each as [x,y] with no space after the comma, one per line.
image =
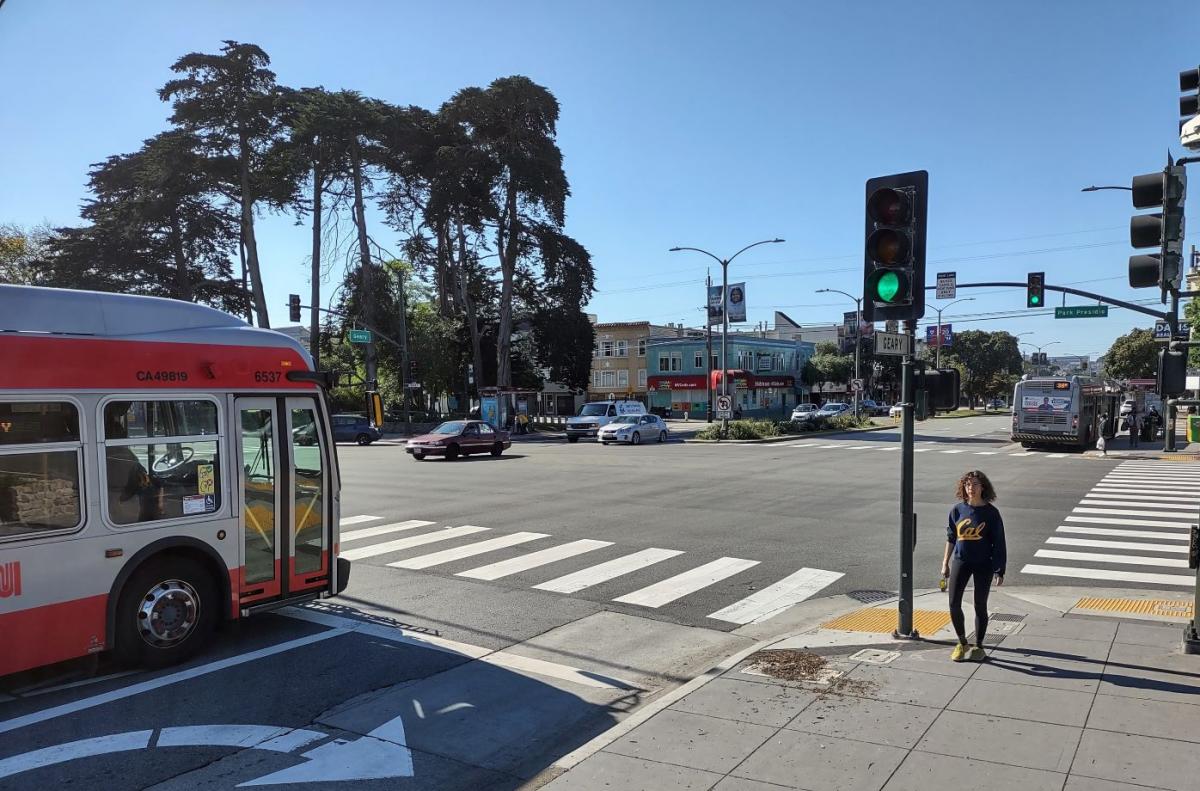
[1133,356]
[231,103]
[987,362]
[1191,312]
[830,369]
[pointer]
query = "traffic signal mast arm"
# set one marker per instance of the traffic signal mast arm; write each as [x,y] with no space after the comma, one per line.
[1158,314]
[360,321]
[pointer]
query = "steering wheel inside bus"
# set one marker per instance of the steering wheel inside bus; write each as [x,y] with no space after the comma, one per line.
[171,462]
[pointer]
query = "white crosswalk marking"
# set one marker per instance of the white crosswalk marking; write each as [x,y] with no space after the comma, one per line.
[680,585]
[382,530]
[410,542]
[1057,455]
[1153,495]
[506,568]
[603,572]
[954,451]
[986,452]
[358,520]
[466,551]
[774,599]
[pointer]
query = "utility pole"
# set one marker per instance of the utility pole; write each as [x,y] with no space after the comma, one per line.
[937,349]
[858,320]
[404,375]
[708,324]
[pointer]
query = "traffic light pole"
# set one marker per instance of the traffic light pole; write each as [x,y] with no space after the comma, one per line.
[908,519]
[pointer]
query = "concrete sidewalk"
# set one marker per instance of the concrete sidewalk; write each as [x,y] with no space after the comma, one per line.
[1064,703]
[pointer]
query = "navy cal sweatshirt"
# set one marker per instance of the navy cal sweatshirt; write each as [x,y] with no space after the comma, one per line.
[977,533]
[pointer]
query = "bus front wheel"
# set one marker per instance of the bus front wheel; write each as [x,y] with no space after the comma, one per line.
[166,613]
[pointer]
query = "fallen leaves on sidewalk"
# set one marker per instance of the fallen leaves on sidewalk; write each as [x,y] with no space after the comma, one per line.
[789,664]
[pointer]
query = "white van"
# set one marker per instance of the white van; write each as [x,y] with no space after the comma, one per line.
[595,414]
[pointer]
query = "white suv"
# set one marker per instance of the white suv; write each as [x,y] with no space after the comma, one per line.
[803,411]
[595,414]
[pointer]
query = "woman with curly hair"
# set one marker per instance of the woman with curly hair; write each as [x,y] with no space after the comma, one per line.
[975,549]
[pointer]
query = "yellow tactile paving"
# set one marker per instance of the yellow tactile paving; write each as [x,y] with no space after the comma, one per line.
[1163,608]
[874,619]
[1180,458]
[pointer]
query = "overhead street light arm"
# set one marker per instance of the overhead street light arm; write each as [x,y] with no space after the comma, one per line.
[1094,188]
[698,250]
[1120,303]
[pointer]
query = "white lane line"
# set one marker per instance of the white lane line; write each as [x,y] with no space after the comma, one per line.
[987,452]
[1114,520]
[681,585]
[413,541]
[774,599]
[163,681]
[466,551]
[1129,512]
[1138,546]
[1057,455]
[532,560]
[221,735]
[890,448]
[922,450]
[1121,532]
[1110,574]
[383,530]
[358,520]
[1098,557]
[953,451]
[1021,454]
[860,447]
[829,446]
[803,445]
[1191,509]
[84,748]
[602,572]
[1193,499]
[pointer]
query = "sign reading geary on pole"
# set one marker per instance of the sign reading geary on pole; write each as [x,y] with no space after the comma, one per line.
[893,343]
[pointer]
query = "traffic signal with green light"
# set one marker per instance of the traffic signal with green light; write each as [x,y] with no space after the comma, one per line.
[1035,290]
[894,261]
[1164,230]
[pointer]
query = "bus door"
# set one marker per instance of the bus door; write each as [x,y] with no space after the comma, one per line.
[284,523]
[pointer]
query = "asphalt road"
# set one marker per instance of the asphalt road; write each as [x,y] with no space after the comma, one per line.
[503,611]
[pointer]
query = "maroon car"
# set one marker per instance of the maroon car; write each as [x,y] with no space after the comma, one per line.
[456,438]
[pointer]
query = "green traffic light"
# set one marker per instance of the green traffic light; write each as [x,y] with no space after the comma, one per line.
[887,286]
[1035,299]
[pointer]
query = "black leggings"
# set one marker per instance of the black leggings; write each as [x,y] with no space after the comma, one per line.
[960,574]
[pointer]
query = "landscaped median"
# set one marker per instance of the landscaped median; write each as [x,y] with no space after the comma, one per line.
[783,430]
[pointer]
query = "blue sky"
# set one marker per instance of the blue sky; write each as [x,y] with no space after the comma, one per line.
[702,124]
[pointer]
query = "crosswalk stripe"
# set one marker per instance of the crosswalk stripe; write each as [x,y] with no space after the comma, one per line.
[603,572]
[1021,454]
[1100,520]
[803,445]
[1110,574]
[1128,512]
[1134,545]
[1099,557]
[358,520]
[889,448]
[922,450]
[986,452]
[1191,509]
[1128,489]
[954,451]
[860,447]
[466,551]
[1131,496]
[412,541]
[1057,455]
[1150,479]
[774,599]
[1121,532]
[829,446]
[681,585]
[381,530]
[505,568]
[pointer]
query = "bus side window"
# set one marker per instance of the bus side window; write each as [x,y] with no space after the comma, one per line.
[162,459]
[40,451]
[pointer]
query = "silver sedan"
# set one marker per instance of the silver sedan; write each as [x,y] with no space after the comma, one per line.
[634,429]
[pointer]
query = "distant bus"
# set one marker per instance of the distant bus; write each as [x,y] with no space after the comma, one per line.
[151,481]
[1064,410]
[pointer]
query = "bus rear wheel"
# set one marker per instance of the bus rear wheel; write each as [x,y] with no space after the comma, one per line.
[166,613]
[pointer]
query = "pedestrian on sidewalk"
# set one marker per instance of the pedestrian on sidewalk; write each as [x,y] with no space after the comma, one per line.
[1133,428]
[975,550]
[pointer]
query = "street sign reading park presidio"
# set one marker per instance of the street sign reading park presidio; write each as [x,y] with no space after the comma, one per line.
[1081,312]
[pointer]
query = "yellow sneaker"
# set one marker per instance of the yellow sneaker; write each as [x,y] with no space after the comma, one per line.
[959,653]
[977,654]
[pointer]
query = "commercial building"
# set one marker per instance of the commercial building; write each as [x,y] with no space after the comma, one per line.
[619,367]
[764,374]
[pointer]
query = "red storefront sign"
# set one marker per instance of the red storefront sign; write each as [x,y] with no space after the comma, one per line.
[678,382]
[739,377]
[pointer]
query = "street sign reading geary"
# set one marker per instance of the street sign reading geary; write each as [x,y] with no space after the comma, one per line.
[895,343]
[360,336]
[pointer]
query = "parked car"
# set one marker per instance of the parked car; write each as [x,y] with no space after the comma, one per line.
[832,409]
[803,412]
[354,428]
[459,438]
[1126,407]
[870,407]
[596,414]
[633,429]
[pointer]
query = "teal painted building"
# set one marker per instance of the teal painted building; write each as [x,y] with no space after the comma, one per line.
[764,374]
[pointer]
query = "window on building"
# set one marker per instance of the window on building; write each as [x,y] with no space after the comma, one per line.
[642,347]
[676,361]
[716,363]
[608,379]
[623,378]
[642,377]
[699,362]
[606,348]
[161,459]
[664,363]
[622,348]
[40,454]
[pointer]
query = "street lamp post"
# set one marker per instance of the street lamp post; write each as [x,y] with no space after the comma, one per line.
[937,350]
[857,331]
[724,262]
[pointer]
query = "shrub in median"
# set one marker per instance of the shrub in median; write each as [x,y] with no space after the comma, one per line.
[761,429]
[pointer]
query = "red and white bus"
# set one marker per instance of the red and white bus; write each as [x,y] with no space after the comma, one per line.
[163,467]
